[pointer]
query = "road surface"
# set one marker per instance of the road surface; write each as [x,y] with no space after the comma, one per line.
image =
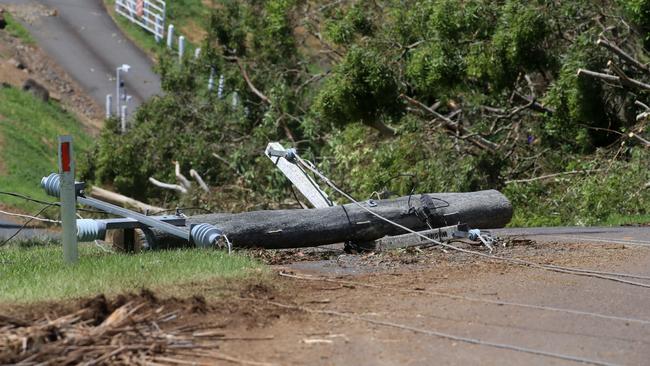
[85,41]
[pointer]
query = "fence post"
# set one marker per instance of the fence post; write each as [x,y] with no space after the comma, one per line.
[109,105]
[181,48]
[170,36]
[68,197]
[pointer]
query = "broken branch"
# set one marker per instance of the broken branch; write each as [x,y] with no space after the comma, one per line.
[173,187]
[622,54]
[452,126]
[194,174]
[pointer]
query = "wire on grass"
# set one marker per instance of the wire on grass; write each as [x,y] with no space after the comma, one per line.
[29,217]
[25,225]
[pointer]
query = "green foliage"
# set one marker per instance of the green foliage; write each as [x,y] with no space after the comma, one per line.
[639,13]
[326,79]
[594,198]
[361,89]
[345,24]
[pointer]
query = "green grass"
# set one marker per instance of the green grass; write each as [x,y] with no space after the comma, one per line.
[29,129]
[618,220]
[37,273]
[17,30]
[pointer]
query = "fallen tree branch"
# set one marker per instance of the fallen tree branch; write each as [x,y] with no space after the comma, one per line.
[452,126]
[173,187]
[180,177]
[194,174]
[573,172]
[121,200]
[622,54]
[613,78]
[251,86]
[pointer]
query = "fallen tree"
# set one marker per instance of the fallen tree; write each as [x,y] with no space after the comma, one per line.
[277,229]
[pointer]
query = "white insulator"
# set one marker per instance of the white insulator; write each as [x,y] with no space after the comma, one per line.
[90,230]
[52,184]
[205,235]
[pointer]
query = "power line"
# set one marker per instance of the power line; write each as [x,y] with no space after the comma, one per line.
[568,270]
[468,298]
[25,224]
[452,337]
[29,217]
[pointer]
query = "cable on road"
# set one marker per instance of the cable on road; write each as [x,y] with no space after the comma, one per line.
[444,335]
[579,272]
[468,298]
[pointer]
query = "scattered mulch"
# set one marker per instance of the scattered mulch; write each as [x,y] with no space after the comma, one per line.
[131,329]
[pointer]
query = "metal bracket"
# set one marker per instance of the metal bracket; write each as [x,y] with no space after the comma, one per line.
[284,159]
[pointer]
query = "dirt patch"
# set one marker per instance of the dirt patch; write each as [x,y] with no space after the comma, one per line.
[19,62]
[194,32]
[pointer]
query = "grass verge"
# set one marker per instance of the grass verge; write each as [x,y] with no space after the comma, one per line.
[28,144]
[15,29]
[37,273]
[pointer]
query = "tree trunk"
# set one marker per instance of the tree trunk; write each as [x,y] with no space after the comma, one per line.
[276,229]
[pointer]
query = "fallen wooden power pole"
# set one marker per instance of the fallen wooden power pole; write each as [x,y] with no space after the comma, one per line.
[277,229]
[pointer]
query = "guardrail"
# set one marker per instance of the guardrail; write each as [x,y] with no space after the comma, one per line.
[148,14]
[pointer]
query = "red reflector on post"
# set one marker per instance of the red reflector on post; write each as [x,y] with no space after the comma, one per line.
[65,156]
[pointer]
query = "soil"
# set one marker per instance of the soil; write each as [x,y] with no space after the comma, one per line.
[364,309]
[20,61]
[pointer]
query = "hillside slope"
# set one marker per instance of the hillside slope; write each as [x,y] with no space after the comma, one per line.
[28,144]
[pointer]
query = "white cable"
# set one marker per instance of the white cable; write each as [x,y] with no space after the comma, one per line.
[602,275]
[30,217]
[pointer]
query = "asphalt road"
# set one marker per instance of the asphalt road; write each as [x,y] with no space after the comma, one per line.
[85,41]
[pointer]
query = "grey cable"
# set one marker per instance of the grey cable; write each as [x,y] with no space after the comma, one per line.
[490,256]
[474,299]
[447,335]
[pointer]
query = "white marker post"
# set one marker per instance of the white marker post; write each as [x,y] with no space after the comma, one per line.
[68,198]
[197,53]
[181,48]
[109,105]
[170,36]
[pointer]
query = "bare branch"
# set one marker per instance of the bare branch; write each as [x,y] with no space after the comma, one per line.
[452,126]
[622,54]
[573,172]
[250,84]
[180,177]
[617,79]
[173,187]
[194,174]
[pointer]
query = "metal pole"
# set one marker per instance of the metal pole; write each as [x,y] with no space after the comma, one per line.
[123,117]
[68,200]
[170,36]
[181,48]
[109,105]
[117,91]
